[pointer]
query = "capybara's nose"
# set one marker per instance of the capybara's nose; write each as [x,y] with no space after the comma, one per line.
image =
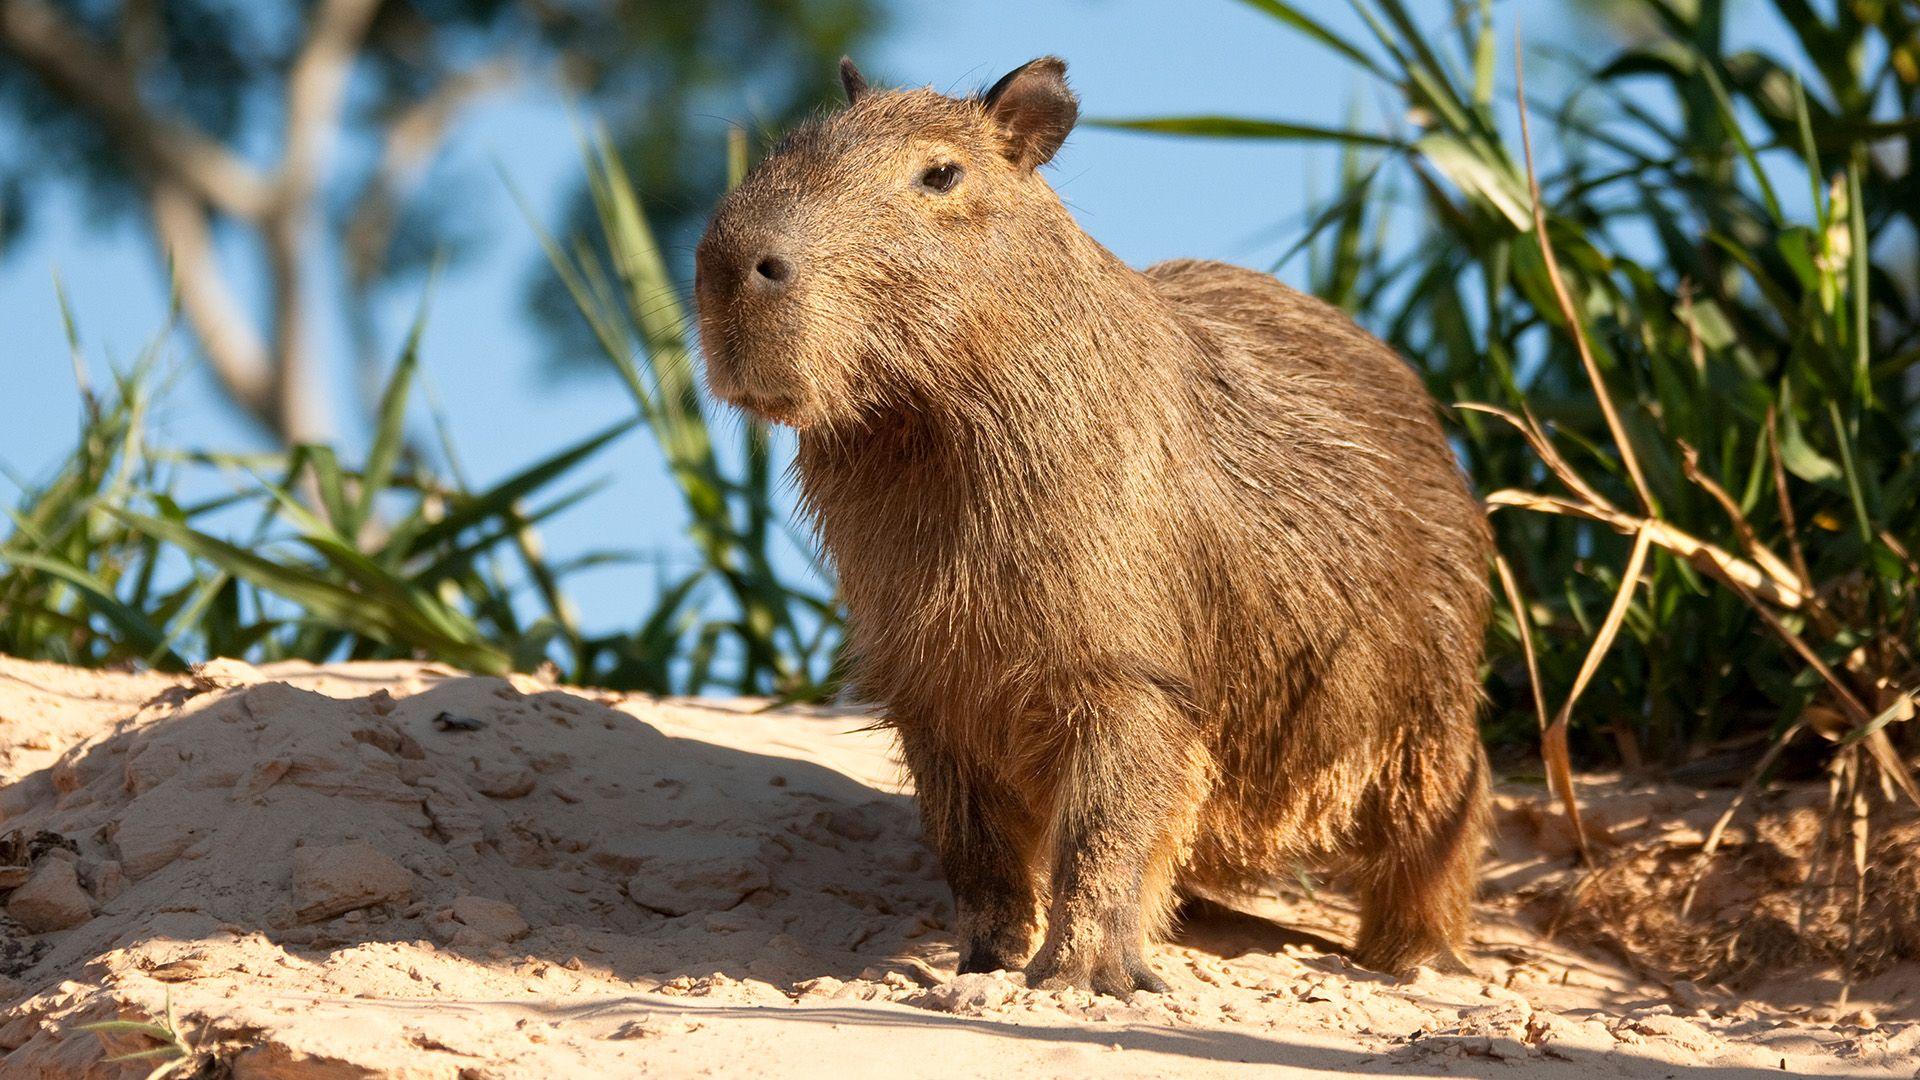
[748,271]
[772,274]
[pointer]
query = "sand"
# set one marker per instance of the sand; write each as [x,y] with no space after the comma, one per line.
[393,870]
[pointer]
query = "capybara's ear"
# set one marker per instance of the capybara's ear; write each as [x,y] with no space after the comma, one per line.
[850,78]
[1034,109]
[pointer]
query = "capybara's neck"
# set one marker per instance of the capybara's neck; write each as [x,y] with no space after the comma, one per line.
[1076,357]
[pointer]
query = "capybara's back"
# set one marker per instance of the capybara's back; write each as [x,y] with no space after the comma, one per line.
[1168,581]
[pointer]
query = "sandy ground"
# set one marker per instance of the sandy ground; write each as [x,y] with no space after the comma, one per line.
[379,870]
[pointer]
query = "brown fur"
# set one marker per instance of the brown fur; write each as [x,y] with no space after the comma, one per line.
[1167,580]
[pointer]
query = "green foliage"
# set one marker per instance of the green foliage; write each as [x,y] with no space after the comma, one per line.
[783,636]
[1736,229]
[174,1054]
[307,558]
[77,586]
[312,558]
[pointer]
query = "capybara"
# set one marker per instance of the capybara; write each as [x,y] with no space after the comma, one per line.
[1168,581]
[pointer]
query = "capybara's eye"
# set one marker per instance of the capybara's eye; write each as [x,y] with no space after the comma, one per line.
[940,178]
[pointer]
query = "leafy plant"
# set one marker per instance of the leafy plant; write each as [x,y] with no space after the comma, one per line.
[781,633]
[312,558]
[174,1055]
[77,586]
[107,564]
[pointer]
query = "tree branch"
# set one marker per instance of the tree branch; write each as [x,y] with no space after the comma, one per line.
[234,351]
[412,140]
[77,68]
[316,86]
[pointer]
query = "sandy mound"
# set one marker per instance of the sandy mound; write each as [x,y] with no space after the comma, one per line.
[389,870]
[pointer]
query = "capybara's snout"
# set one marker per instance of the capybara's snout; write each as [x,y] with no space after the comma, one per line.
[744,264]
[747,270]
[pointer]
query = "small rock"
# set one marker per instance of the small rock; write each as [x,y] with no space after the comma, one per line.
[854,824]
[448,722]
[503,783]
[1687,1034]
[12,877]
[148,841]
[182,968]
[487,919]
[262,776]
[333,881]
[224,674]
[1689,995]
[824,986]
[52,899]
[967,993]
[632,1029]
[103,879]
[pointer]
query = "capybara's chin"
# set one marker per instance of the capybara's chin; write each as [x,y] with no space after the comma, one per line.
[742,375]
[797,413]
[1167,581]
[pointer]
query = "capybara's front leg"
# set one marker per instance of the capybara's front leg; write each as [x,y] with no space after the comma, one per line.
[1130,781]
[985,839]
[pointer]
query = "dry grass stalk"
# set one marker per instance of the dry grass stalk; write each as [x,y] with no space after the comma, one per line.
[1763,580]
[1867,726]
[1762,555]
[1783,593]
[1536,437]
[1575,327]
[1553,734]
[1719,831]
[1602,641]
[1788,523]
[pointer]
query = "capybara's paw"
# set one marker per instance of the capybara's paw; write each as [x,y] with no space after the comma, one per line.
[1405,957]
[998,940]
[1114,970]
[985,956]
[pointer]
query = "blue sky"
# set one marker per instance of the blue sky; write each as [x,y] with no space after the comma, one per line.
[1146,198]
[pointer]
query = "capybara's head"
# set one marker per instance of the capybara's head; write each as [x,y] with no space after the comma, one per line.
[852,268]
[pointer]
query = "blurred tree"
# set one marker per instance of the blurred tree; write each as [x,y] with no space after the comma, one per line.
[209,117]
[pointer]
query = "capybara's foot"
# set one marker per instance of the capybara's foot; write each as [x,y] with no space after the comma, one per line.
[1404,957]
[1395,958]
[993,946]
[1106,964]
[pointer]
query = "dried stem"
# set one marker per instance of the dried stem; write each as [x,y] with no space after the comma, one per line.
[1553,735]
[1575,327]
[1784,593]
[1747,788]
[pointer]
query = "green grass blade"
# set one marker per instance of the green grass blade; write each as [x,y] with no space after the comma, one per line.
[389,435]
[1242,127]
[1292,16]
[146,638]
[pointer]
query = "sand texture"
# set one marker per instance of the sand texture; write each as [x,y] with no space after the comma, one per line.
[393,870]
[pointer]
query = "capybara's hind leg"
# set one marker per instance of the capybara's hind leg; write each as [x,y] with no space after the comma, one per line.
[986,840]
[1422,849]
